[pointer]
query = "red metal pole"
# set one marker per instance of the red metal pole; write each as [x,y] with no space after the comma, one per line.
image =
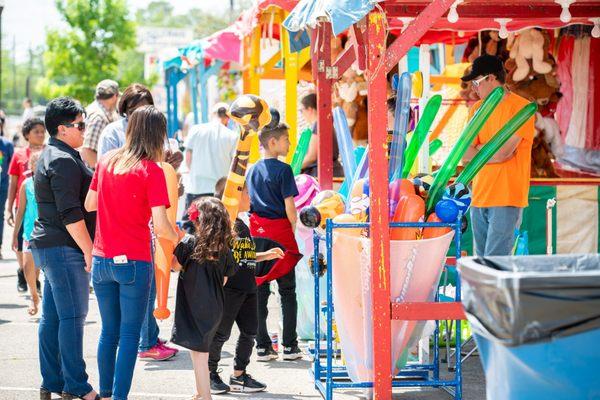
[325,120]
[379,215]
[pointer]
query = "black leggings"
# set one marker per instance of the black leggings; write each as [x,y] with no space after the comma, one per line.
[240,307]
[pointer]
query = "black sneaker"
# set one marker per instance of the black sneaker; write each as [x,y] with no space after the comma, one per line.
[245,383]
[292,353]
[21,282]
[217,386]
[267,354]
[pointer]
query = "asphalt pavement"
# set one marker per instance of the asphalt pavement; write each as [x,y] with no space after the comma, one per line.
[173,379]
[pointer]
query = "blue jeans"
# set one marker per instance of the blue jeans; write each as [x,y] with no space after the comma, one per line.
[149,332]
[64,308]
[122,292]
[494,229]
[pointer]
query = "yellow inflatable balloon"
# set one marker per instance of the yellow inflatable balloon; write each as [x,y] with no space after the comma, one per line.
[252,113]
[417,84]
[348,219]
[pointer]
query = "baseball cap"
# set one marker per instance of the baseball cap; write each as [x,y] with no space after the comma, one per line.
[484,65]
[107,88]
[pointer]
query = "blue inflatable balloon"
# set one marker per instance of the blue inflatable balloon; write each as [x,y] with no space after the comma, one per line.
[460,194]
[401,118]
[446,210]
[344,139]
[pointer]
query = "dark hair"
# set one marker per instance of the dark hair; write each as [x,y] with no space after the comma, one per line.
[309,101]
[500,76]
[133,95]
[220,187]
[267,134]
[213,230]
[29,124]
[391,104]
[222,112]
[144,139]
[60,111]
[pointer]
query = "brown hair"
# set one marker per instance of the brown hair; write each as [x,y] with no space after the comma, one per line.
[133,95]
[213,230]
[268,133]
[144,140]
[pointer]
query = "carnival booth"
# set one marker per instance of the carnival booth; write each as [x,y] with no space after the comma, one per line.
[382,263]
[260,28]
[199,61]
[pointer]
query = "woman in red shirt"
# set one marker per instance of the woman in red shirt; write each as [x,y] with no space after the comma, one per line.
[128,189]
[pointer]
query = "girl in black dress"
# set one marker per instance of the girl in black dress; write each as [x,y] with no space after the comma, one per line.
[205,261]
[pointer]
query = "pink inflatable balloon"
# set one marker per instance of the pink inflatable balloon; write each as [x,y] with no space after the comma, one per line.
[308,188]
[399,187]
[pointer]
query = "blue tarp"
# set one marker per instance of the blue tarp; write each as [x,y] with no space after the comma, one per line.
[341,13]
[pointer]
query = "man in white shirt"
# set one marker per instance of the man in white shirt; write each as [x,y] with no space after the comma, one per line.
[209,150]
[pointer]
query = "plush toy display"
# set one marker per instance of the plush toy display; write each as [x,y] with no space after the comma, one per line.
[529,52]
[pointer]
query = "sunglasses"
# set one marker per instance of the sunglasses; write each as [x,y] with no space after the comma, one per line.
[477,82]
[78,125]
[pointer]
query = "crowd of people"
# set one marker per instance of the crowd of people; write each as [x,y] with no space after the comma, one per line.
[87,197]
[87,203]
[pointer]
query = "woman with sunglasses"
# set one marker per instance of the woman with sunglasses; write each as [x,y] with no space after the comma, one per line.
[62,246]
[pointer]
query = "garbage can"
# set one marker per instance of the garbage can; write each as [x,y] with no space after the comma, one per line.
[536,321]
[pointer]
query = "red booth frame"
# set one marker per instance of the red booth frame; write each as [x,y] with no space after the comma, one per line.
[368,48]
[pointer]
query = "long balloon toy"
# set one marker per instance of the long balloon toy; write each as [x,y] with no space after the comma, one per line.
[163,254]
[466,138]
[301,150]
[419,135]
[443,121]
[401,117]
[491,147]
[361,172]
[358,155]
[434,146]
[252,113]
[344,139]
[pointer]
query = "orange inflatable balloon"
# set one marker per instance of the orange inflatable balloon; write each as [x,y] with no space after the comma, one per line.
[163,254]
[430,233]
[347,219]
[410,208]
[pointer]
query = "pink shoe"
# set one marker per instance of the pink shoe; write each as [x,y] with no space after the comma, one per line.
[163,343]
[156,353]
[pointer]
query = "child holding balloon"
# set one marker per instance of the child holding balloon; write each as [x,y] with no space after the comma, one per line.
[272,189]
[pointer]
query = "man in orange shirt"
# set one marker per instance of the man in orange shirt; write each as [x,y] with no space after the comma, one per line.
[501,188]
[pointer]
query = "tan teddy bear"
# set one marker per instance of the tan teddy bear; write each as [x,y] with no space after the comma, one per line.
[528,45]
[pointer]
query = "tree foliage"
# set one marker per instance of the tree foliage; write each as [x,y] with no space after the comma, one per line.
[86,51]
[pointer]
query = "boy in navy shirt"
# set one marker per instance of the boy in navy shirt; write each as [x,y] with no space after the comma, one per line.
[273,217]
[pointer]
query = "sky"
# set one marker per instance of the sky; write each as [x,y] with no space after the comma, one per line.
[25,21]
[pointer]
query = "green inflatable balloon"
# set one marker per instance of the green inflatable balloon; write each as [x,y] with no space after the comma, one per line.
[466,138]
[434,146]
[420,134]
[301,149]
[491,147]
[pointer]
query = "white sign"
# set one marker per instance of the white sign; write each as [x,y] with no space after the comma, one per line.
[151,39]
